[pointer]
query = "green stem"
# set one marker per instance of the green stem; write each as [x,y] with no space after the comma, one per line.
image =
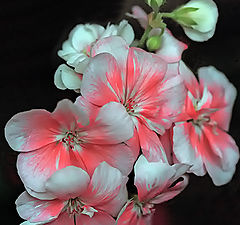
[144,36]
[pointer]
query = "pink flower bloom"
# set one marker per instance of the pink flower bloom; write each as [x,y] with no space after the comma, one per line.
[154,182]
[132,81]
[171,49]
[73,194]
[69,136]
[199,138]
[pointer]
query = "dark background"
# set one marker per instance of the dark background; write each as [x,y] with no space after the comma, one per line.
[31,34]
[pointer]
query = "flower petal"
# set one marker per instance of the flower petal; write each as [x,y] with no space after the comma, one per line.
[37,166]
[31,130]
[114,45]
[151,178]
[171,50]
[222,144]
[69,182]
[139,14]
[190,80]
[150,144]
[105,185]
[125,30]
[185,150]
[223,93]
[35,210]
[145,71]
[114,206]
[95,86]
[129,216]
[69,116]
[196,35]
[113,125]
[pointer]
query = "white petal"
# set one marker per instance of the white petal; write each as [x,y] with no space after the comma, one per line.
[125,30]
[151,178]
[69,182]
[118,123]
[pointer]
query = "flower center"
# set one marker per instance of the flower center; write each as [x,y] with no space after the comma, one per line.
[75,206]
[130,105]
[142,208]
[72,139]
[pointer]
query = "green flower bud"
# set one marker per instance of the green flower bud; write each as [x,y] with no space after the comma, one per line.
[155,4]
[154,43]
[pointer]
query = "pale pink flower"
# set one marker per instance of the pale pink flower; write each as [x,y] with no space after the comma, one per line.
[171,48]
[72,193]
[200,138]
[68,136]
[156,182]
[78,48]
[134,81]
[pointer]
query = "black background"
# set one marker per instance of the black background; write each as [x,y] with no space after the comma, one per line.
[31,32]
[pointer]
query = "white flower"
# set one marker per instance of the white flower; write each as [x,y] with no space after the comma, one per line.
[77,49]
[199,23]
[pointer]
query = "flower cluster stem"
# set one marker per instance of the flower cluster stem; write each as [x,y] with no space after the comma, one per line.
[144,36]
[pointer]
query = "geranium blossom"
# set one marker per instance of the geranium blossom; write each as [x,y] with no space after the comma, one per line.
[200,138]
[154,182]
[134,81]
[73,194]
[68,136]
[77,49]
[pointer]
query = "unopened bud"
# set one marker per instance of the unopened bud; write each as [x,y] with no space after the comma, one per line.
[154,43]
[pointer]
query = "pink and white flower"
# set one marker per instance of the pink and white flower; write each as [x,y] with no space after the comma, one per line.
[69,136]
[76,51]
[73,194]
[156,183]
[134,81]
[200,138]
[171,49]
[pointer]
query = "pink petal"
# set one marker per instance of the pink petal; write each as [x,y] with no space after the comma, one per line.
[139,14]
[167,142]
[36,210]
[115,205]
[151,178]
[222,144]
[95,86]
[37,166]
[171,50]
[69,115]
[69,182]
[117,47]
[119,156]
[171,192]
[99,218]
[129,216]
[172,94]
[223,93]
[145,72]
[150,143]
[31,130]
[185,150]
[113,125]
[190,80]
[105,185]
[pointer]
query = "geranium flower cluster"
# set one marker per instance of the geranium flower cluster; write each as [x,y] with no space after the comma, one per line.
[139,108]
